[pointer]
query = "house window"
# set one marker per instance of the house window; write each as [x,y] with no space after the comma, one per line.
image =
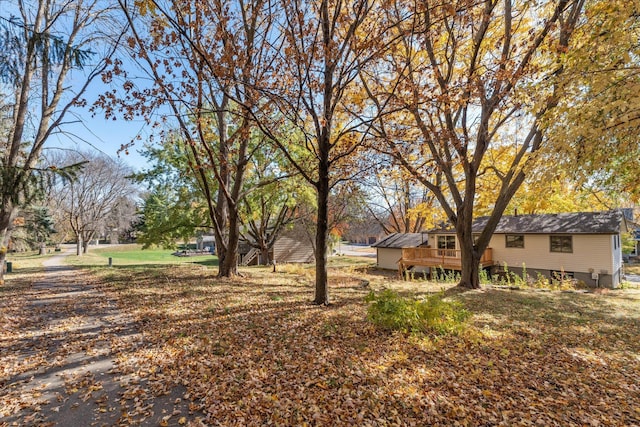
[446,242]
[561,244]
[514,240]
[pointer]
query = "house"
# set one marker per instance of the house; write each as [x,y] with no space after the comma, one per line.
[634,230]
[364,232]
[293,245]
[636,239]
[582,245]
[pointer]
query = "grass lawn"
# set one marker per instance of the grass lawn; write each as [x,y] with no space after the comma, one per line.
[28,260]
[253,351]
[134,255]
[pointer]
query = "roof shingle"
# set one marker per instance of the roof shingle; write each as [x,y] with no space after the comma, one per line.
[609,222]
[402,240]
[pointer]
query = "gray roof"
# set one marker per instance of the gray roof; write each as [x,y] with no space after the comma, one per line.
[402,240]
[609,222]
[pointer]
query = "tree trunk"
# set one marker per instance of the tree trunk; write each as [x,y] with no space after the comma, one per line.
[4,239]
[229,265]
[470,275]
[3,258]
[469,252]
[6,217]
[264,256]
[322,233]
[220,248]
[3,255]
[78,245]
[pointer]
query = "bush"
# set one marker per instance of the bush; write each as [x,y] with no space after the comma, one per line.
[433,314]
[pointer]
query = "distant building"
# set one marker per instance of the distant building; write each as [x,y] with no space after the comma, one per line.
[364,233]
[293,245]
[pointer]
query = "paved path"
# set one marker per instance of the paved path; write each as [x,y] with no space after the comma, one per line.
[74,336]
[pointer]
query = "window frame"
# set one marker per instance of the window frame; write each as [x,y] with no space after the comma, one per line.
[510,243]
[562,244]
[446,238]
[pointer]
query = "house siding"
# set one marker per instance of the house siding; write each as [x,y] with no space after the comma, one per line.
[388,258]
[287,249]
[591,253]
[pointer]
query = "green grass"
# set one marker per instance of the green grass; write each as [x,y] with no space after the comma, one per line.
[135,255]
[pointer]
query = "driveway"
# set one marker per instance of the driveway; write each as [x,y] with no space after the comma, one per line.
[355,250]
[635,278]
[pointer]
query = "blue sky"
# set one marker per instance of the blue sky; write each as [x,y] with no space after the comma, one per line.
[84,130]
[103,135]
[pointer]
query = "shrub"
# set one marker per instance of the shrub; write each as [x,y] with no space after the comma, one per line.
[433,314]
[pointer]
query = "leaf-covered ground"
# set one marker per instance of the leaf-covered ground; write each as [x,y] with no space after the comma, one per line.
[253,351]
[60,337]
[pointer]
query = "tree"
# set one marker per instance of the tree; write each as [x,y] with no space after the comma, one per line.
[468,73]
[168,215]
[120,222]
[205,61]
[40,44]
[175,207]
[272,200]
[229,63]
[594,130]
[89,201]
[324,46]
[39,226]
[32,228]
[399,202]
[549,189]
[346,203]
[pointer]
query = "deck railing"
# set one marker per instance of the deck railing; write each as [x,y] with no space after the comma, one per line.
[439,256]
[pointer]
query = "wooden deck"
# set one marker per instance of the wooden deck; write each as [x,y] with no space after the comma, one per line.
[448,259]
